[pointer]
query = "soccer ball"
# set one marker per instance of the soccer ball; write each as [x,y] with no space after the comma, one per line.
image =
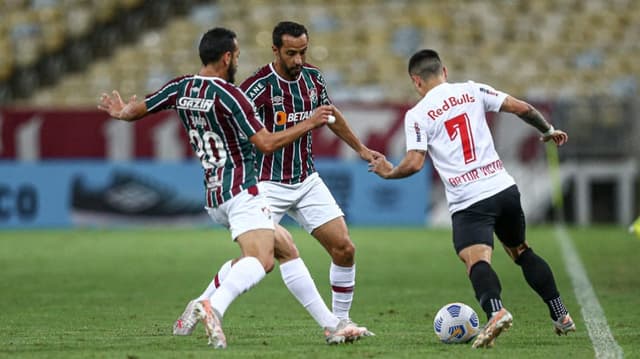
[456,323]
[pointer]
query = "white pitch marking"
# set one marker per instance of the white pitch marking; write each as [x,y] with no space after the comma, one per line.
[604,345]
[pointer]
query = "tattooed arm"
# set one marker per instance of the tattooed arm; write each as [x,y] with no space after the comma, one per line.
[533,117]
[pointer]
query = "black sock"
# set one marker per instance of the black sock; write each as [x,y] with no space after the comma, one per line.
[487,287]
[539,276]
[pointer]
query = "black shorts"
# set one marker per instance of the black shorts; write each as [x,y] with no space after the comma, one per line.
[500,214]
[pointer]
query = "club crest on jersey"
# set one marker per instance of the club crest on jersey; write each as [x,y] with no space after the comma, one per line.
[266,211]
[313,95]
[195,104]
[277,100]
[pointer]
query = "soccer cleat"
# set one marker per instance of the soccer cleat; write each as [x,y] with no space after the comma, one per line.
[363,331]
[564,325]
[500,320]
[212,324]
[187,321]
[345,332]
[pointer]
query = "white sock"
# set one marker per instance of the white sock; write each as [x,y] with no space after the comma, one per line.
[243,275]
[216,281]
[342,280]
[297,278]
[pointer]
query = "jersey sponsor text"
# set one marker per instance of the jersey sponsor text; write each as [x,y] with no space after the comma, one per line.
[195,104]
[448,103]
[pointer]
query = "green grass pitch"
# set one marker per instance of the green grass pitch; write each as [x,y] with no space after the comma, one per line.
[116,293]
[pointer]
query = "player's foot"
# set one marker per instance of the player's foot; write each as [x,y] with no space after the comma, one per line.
[564,325]
[345,332]
[212,324]
[187,321]
[500,320]
[363,331]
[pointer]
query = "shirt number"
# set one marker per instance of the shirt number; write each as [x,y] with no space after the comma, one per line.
[459,127]
[209,148]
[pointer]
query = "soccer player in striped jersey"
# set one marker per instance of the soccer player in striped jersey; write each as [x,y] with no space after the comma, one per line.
[224,131]
[285,93]
[449,123]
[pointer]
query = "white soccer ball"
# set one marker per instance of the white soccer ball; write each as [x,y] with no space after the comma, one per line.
[456,323]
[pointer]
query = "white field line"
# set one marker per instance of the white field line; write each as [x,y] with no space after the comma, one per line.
[604,345]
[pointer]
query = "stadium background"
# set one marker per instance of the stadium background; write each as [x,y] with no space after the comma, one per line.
[575,60]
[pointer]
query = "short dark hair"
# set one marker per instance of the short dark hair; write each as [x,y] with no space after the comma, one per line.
[287,28]
[215,43]
[425,63]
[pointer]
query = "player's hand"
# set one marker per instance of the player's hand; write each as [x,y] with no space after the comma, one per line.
[369,154]
[320,116]
[380,166]
[376,154]
[558,136]
[113,104]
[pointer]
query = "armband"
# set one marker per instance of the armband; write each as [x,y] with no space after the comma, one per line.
[549,131]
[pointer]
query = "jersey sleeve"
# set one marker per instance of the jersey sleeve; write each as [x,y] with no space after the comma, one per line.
[415,132]
[491,98]
[165,98]
[324,93]
[256,91]
[246,115]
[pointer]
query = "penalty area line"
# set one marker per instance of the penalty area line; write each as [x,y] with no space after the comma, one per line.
[604,345]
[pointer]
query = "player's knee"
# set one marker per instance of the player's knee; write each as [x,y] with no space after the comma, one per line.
[524,256]
[474,254]
[343,252]
[285,249]
[268,263]
[517,252]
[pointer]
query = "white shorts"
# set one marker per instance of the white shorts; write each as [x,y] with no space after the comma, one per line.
[309,203]
[243,213]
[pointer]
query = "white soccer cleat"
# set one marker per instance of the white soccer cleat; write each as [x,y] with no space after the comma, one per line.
[187,321]
[212,324]
[346,332]
[564,325]
[500,320]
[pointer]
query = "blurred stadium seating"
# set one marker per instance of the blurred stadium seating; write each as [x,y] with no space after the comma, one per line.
[536,49]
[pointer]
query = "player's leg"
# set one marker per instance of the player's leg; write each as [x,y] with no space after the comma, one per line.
[297,278]
[187,321]
[295,273]
[473,241]
[317,212]
[510,229]
[334,238]
[257,260]
[251,226]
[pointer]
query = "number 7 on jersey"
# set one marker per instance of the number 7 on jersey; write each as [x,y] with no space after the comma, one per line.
[460,127]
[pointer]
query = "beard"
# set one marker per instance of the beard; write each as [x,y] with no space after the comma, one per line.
[293,71]
[231,73]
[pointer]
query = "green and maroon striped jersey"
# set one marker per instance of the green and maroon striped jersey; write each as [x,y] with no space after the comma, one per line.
[281,104]
[219,119]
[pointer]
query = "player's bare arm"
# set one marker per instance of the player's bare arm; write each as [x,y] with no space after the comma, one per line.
[412,162]
[268,142]
[342,129]
[114,105]
[533,117]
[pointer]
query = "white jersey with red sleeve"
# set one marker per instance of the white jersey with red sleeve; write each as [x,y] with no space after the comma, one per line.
[450,124]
